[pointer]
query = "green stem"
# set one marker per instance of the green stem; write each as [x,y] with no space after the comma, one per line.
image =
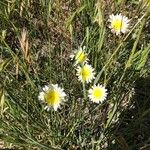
[84,90]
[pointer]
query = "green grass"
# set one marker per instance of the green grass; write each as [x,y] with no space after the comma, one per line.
[36,40]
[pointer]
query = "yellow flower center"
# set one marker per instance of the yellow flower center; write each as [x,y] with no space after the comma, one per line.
[52,97]
[98,93]
[80,57]
[85,73]
[117,24]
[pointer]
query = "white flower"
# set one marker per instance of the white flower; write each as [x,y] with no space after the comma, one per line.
[97,93]
[52,95]
[118,23]
[85,73]
[79,55]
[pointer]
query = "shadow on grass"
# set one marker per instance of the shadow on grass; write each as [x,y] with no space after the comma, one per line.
[133,130]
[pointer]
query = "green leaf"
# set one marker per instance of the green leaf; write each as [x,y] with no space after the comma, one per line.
[4,64]
[143,57]
[2,101]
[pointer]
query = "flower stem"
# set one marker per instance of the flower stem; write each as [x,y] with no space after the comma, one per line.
[84,90]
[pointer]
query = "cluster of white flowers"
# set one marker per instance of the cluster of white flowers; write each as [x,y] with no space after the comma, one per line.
[86,74]
[53,95]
